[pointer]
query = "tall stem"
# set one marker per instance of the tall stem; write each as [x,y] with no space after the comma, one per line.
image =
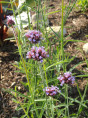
[62,37]
[62,52]
[24,65]
[45,84]
[15,35]
[82,100]
[67,102]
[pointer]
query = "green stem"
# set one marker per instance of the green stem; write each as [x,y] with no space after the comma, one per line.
[21,104]
[62,37]
[19,47]
[52,108]
[43,80]
[67,102]
[13,11]
[24,110]
[82,99]
[15,35]
[45,74]
[24,65]
[62,52]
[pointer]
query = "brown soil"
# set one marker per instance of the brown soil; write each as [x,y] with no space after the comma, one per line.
[76,25]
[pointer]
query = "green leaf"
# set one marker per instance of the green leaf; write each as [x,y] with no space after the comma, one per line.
[30,3]
[81,76]
[14,100]
[18,93]
[23,116]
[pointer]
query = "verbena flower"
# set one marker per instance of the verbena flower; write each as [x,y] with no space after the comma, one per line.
[51,91]
[67,78]
[37,53]
[10,21]
[34,36]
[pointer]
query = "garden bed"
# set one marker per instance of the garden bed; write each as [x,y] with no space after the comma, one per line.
[77,26]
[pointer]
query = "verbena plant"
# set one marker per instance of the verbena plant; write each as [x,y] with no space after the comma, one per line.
[45,69]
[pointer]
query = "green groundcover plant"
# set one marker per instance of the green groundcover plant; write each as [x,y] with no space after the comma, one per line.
[45,67]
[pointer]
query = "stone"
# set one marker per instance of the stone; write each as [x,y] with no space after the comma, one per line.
[19,88]
[56,29]
[22,20]
[85,48]
[20,3]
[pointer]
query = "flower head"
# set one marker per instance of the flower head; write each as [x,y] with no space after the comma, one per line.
[51,91]
[37,53]
[10,21]
[66,78]
[34,36]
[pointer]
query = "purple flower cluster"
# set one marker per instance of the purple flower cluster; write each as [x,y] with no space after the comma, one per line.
[37,53]
[10,21]
[66,78]
[34,36]
[51,91]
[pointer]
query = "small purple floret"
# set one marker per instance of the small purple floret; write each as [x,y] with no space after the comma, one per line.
[51,91]
[67,78]
[37,53]
[34,36]
[10,21]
